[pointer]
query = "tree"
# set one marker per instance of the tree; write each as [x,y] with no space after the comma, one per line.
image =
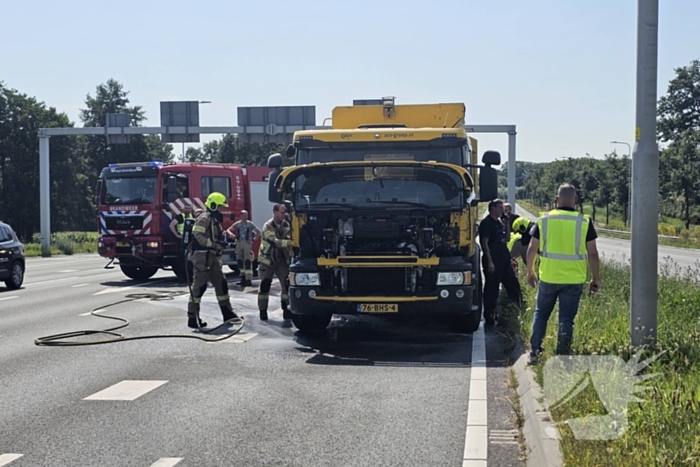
[111,97]
[21,117]
[682,166]
[679,109]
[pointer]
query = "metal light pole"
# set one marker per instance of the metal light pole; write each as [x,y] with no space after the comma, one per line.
[645,181]
[629,188]
[183,143]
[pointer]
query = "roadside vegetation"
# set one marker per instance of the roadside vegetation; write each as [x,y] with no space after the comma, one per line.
[663,430]
[64,243]
[672,231]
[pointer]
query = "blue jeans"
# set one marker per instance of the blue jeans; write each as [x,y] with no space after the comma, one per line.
[569,296]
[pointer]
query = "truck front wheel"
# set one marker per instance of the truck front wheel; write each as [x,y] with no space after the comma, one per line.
[465,323]
[311,322]
[139,273]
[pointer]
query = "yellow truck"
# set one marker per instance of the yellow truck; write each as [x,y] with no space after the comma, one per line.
[383,208]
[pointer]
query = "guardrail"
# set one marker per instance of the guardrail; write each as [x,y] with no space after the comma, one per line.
[626,232]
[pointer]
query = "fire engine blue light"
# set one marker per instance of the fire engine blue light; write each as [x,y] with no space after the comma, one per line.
[156,163]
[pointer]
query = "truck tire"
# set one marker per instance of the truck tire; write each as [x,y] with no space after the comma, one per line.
[311,322]
[465,323]
[138,273]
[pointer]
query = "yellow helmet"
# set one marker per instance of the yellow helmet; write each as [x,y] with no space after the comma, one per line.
[214,200]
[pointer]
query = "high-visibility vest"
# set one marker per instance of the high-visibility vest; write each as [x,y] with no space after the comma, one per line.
[563,254]
[181,225]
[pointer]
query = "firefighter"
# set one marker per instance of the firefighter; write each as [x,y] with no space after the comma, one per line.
[274,257]
[245,233]
[207,246]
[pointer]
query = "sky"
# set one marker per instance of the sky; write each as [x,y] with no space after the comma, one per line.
[562,71]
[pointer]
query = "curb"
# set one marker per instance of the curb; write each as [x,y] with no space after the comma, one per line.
[541,436]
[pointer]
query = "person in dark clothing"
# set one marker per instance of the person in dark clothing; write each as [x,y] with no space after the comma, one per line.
[496,261]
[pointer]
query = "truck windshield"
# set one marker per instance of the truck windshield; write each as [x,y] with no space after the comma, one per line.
[128,190]
[450,155]
[370,187]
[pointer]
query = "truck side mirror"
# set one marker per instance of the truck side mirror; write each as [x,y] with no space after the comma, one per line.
[290,152]
[274,161]
[172,189]
[488,184]
[491,158]
[273,195]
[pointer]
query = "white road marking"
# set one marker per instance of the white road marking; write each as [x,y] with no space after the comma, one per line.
[69,270]
[79,285]
[476,439]
[7,458]
[9,298]
[119,289]
[240,338]
[91,312]
[52,280]
[127,390]
[167,462]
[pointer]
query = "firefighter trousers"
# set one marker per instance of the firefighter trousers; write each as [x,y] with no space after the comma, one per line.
[244,258]
[266,273]
[208,268]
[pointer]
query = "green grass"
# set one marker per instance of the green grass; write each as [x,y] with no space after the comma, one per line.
[668,226]
[664,430]
[65,243]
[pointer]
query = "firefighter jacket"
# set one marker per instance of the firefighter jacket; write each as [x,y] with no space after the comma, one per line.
[207,232]
[275,247]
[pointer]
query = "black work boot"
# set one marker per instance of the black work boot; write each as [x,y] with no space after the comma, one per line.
[263,315]
[192,322]
[228,314]
[286,314]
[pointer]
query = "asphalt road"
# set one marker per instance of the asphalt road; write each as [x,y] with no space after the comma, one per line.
[671,260]
[365,393]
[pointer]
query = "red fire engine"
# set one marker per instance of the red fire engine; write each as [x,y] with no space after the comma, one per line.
[137,202]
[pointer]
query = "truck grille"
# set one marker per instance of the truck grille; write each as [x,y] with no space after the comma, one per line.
[376,280]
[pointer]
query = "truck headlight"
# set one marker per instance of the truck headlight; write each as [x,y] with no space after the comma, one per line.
[305,279]
[152,245]
[450,278]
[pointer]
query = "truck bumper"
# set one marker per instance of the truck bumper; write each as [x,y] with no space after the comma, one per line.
[447,301]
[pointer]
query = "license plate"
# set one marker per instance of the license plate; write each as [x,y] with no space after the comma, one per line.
[122,244]
[378,308]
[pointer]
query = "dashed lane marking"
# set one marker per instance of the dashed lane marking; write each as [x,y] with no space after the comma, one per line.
[7,458]
[127,390]
[167,462]
[476,439]
[79,285]
[9,298]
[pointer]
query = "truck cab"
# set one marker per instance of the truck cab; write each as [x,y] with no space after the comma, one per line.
[137,201]
[384,211]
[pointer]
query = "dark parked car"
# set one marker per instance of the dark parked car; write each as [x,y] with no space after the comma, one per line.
[11,257]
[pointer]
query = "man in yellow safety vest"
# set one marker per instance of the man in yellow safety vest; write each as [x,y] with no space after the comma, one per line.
[565,241]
